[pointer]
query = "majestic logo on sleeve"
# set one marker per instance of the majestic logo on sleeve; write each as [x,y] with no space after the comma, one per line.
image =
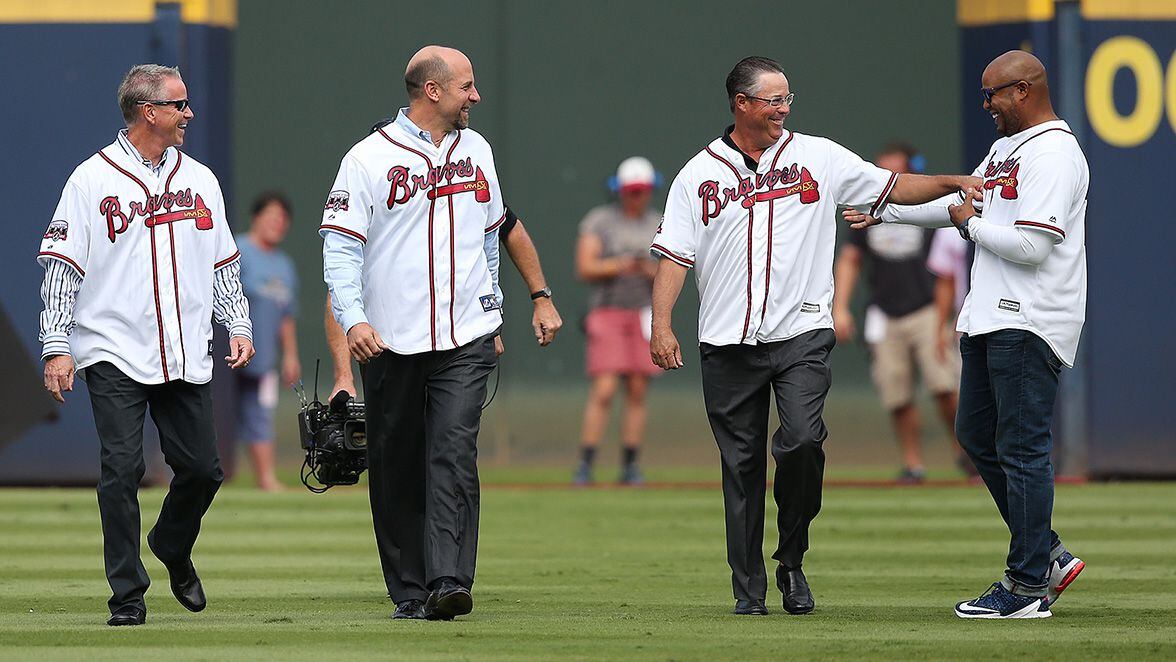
[178,206]
[57,231]
[792,180]
[406,185]
[1004,175]
[337,201]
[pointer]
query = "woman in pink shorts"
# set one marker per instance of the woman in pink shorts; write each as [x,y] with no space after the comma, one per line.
[612,255]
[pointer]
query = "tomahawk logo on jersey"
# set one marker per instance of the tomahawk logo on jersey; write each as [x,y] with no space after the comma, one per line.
[422,212]
[739,222]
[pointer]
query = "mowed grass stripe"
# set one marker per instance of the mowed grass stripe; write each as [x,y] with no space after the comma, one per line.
[595,574]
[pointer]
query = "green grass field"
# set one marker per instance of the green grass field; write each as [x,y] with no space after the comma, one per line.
[596,574]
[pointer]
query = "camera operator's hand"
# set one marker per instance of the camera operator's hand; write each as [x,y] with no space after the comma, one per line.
[363,342]
[59,375]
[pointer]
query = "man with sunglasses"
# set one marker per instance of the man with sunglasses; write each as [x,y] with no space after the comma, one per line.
[754,213]
[139,261]
[1021,321]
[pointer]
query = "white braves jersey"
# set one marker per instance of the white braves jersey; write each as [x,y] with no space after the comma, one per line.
[147,246]
[1037,180]
[761,236]
[421,212]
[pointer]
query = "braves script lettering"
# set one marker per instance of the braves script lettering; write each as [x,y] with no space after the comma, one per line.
[177,206]
[791,180]
[405,184]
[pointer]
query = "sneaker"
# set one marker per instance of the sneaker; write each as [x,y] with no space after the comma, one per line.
[631,475]
[999,602]
[583,475]
[1062,572]
[910,476]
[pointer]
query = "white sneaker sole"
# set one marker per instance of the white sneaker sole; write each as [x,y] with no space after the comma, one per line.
[1032,610]
[1068,575]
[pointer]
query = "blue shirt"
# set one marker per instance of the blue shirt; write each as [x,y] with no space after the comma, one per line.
[271,286]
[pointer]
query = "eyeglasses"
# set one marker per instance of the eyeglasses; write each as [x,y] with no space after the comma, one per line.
[988,92]
[775,102]
[178,104]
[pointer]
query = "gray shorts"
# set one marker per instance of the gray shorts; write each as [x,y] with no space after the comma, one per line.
[256,401]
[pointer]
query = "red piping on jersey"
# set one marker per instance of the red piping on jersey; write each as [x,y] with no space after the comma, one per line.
[432,278]
[771,235]
[497,224]
[154,268]
[345,231]
[65,259]
[881,201]
[227,260]
[1043,226]
[171,235]
[750,224]
[672,256]
[452,259]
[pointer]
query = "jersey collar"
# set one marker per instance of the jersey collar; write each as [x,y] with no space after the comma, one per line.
[410,127]
[751,163]
[128,149]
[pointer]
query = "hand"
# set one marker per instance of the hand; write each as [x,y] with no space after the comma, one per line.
[364,343]
[968,181]
[859,220]
[626,264]
[291,370]
[545,321]
[240,352]
[965,210]
[344,385]
[664,349]
[843,325]
[59,375]
[499,348]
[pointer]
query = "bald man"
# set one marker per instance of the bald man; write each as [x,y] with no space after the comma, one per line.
[1020,322]
[404,229]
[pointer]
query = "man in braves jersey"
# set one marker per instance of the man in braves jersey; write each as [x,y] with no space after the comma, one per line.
[139,261]
[1021,321]
[404,233]
[754,214]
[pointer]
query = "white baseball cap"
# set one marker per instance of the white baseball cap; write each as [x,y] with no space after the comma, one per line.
[635,172]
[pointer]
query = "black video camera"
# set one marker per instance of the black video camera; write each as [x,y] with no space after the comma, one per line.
[334,437]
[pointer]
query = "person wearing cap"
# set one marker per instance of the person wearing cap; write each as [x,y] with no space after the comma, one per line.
[612,255]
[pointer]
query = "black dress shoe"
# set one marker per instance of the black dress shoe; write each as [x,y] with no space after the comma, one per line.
[127,616]
[447,600]
[414,609]
[750,608]
[186,586]
[798,599]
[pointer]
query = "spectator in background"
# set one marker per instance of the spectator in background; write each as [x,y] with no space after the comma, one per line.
[902,328]
[612,254]
[270,283]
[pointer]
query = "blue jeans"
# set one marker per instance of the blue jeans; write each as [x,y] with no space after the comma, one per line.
[1007,391]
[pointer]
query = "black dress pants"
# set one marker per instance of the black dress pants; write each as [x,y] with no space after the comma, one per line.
[738,382]
[423,415]
[182,412]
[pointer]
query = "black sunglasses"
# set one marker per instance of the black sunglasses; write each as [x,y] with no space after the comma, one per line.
[988,92]
[178,104]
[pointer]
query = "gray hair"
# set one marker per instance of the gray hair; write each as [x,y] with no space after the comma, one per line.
[746,74]
[144,82]
[428,69]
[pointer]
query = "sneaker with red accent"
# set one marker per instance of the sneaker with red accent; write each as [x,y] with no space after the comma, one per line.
[1062,572]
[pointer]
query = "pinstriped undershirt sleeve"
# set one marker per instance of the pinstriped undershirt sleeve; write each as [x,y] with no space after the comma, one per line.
[230,308]
[59,293]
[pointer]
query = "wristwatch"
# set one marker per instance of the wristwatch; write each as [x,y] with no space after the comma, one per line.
[543,293]
[963,228]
